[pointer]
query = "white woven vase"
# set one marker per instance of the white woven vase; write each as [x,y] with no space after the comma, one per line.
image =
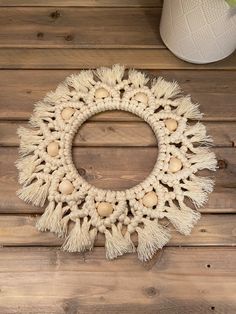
[199,31]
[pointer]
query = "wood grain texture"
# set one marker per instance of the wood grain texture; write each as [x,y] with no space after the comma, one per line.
[80,27]
[111,168]
[109,134]
[69,283]
[192,275]
[221,200]
[20,58]
[81,3]
[214,90]
[211,230]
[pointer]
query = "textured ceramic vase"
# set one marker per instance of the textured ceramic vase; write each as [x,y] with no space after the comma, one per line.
[199,31]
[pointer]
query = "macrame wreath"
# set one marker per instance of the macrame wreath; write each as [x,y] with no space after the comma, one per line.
[77,210]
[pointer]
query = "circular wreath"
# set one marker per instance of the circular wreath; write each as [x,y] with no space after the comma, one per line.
[47,172]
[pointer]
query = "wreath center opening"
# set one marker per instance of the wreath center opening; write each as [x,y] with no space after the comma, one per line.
[114,150]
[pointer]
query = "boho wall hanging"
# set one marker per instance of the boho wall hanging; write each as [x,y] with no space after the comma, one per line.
[47,172]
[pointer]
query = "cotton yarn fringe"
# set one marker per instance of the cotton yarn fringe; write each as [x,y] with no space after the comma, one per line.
[47,173]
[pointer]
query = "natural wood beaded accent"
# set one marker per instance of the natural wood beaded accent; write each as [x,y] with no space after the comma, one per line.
[104,209]
[150,199]
[66,187]
[101,93]
[171,124]
[53,149]
[174,164]
[141,97]
[67,113]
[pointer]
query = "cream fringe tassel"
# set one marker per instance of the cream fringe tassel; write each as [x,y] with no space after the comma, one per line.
[81,82]
[183,219]
[205,183]
[53,220]
[116,244]
[61,94]
[164,89]
[197,189]
[203,161]
[111,76]
[80,238]
[43,223]
[151,237]
[29,140]
[35,193]
[27,166]
[186,108]
[198,134]
[138,79]
[44,109]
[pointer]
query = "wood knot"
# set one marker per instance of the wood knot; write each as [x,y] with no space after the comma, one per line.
[55,15]
[70,305]
[69,37]
[151,291]
[82,171]
[40,35]
[222,164]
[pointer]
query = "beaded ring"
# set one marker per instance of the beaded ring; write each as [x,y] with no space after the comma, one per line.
[47,172]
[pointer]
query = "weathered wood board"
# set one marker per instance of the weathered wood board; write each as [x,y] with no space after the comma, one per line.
[80,28]
[212,230]
[180,280]
[213,90]
[122,134]
[65,58]
[42,42]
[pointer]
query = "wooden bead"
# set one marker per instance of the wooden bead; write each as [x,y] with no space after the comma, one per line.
[174,164]
[67,113]
[150,199]
[171,124]
[101,93]
[104,209]
[141,97]
[53,149]
[66,187]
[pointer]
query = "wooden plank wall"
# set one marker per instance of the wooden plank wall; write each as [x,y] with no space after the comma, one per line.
[41,42]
